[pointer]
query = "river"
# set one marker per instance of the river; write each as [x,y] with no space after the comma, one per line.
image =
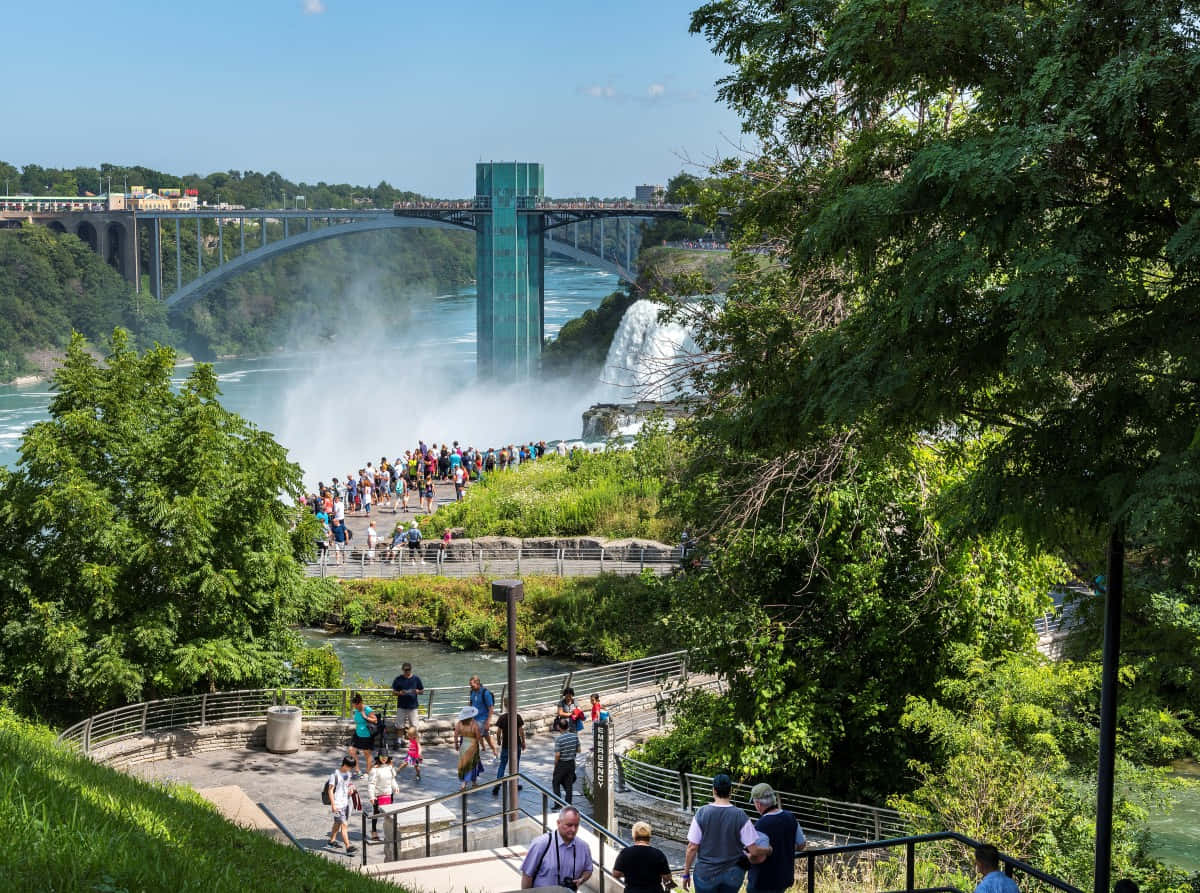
[377,659]
[338,408]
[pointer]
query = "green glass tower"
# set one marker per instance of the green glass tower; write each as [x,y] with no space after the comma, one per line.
[509,269]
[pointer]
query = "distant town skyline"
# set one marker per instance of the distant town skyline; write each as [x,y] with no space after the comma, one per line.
[359,91]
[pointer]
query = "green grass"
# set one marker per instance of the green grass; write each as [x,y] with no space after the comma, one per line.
[593,494]
[77,826]
[569,614]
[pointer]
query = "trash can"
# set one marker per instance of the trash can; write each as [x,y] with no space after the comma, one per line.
[283,729]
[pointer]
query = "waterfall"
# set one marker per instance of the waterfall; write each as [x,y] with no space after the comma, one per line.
[642,362]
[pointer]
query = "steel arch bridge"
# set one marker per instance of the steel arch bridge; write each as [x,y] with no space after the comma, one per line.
[308,227]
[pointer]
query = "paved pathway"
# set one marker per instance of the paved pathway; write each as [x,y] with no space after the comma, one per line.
[290,785]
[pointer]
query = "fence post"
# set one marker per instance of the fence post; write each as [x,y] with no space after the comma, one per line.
[204,708]
[601,559]
[145,707]
[560,562]
[567,684]
[685,792]
[481,560]
[518,561]
[87,736]
[429,705]
[628,675]
[642,556]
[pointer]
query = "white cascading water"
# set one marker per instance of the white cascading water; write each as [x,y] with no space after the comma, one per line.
[644,358]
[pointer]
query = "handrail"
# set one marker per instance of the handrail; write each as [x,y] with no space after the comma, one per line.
[392,816]
[284,828]
[389,562]
[909,843]
[201,710]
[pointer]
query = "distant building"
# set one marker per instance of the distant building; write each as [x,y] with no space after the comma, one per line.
[651,195]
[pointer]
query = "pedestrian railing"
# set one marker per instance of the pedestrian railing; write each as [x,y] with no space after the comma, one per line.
[837,819]
[880,847]
[385,562]
[334,703]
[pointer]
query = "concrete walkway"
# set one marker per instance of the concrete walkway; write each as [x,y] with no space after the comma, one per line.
[290,784]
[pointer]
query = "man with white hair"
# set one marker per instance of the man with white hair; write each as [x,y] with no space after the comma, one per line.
[777,872]
[557,859]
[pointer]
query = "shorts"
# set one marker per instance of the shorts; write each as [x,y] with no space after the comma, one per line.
[413,547]
[360,742]
[341,815]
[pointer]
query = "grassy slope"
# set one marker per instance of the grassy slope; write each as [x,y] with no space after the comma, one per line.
[594,494]
[75,825]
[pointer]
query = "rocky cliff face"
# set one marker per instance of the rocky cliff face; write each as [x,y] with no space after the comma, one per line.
[604,420]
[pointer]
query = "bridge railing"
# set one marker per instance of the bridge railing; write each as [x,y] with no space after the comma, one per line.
[441,702]
[387,562]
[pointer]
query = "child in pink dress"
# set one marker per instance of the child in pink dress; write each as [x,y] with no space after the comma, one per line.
[412,758]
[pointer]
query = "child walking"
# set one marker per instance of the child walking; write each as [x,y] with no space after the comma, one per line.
[412,759]
[381,788]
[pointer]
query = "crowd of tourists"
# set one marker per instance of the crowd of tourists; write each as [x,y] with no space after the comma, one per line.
[403,484]
[725,847]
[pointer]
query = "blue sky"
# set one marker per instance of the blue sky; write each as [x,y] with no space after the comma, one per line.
[607,95]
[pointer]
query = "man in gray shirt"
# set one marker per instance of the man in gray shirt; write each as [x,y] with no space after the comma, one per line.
[720,835]
[566,746]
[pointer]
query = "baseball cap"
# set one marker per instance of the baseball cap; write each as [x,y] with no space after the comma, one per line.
[762,791]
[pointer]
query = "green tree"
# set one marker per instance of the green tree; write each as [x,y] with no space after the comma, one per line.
[149,548]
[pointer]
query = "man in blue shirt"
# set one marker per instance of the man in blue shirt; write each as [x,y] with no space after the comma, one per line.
[777,872]
[557,859]
[407,687]
[987,863]
[484,703]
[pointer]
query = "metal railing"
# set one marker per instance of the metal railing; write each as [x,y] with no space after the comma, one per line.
[838,819]
[334,703]
[385,562]
[506,813]
[1009,864]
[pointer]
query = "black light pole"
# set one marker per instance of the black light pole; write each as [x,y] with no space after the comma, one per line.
[510,592]
[1114,596]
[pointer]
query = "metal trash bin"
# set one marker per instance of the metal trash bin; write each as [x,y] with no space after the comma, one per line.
[283,729]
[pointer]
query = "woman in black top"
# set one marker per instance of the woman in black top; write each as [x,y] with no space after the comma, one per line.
[642,867]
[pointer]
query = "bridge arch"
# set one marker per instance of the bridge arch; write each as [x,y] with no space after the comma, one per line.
[88,234]
[195,289]
[56,226]
[116,247]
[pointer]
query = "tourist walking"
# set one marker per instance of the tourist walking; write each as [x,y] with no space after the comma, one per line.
[502,739]
[557,858]
[467,736]
[366,726]
[720,835]
[484,703]
[566,746]
[777,872]
[407,688]
[412,756]
[643,868]
[987,863]
[338,789]
[381,790]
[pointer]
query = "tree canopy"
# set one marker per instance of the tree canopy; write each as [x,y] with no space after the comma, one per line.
[150,547]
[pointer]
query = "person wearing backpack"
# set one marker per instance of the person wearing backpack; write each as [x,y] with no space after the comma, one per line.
[336,794]
[484,703]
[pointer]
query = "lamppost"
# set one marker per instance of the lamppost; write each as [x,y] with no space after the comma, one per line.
[510,592]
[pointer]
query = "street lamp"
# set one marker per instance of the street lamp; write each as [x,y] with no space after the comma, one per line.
[510,592]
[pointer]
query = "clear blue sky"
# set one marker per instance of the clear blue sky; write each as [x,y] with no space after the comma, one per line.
[607,95]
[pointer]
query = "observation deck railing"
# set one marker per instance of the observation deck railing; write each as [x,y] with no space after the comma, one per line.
[135,720]
[383,562]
